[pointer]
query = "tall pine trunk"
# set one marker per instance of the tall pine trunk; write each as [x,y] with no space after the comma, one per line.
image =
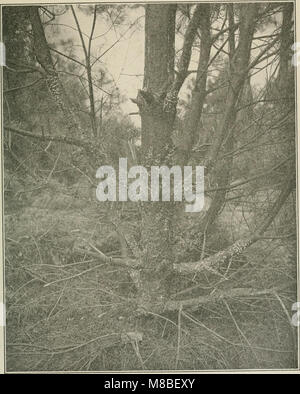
[157,127]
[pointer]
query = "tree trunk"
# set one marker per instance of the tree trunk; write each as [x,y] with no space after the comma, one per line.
[157,126]
[43,56]
[199,91]
[238,74]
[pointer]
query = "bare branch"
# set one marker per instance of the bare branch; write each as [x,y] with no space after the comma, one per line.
[65,140]
[23,87]
[66,56]
[213,262]
[193,303]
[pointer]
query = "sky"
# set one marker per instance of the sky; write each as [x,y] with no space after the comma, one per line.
[124,62]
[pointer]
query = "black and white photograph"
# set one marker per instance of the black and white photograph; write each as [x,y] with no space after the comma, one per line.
[149,186]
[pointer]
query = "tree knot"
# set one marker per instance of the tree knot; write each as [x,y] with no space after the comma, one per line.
[170,102]
[149,102]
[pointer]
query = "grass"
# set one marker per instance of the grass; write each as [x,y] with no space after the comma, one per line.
[66,311]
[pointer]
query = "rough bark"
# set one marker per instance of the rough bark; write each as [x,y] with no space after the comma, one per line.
[157,125]
[43,56]
[200,19]
[157,106]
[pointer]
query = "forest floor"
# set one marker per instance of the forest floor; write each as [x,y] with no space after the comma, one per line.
[62,304]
